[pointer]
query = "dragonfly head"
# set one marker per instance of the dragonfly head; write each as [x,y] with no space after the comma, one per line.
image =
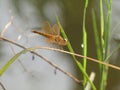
[60,41]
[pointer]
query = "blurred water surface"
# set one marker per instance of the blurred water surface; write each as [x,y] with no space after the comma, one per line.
[28,14]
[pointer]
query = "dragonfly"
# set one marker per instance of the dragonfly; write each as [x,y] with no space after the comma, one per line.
[52,34]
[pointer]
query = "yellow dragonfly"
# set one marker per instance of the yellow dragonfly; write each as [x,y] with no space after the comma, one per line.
[52,34]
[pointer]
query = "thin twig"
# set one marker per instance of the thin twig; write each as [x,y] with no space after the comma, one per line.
[78,55]
[6,26]
[45,59]
[2,86]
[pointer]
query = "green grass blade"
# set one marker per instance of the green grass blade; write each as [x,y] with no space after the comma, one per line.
[97,39]
[84,52]
[71,50]
[107,27]
[85,40]
[105,50]
[102,25]
[7,65]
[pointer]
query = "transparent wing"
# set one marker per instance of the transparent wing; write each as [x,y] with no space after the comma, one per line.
[56,29]
[47,28]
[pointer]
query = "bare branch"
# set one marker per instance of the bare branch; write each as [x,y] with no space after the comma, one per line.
[45,59]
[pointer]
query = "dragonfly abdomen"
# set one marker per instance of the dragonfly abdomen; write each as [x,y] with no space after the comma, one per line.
[42,33]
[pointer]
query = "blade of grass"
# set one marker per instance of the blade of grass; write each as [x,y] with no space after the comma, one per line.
[103,68]
[107,26]
[7,65]
[102,26]
[97,40]
[105,50]
[84,40]
[71,50]
[84,53]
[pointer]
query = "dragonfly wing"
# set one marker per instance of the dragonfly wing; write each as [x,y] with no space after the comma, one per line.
[47,27]
[56,29]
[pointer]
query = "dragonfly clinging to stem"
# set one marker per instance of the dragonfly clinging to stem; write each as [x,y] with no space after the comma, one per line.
[52,34]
